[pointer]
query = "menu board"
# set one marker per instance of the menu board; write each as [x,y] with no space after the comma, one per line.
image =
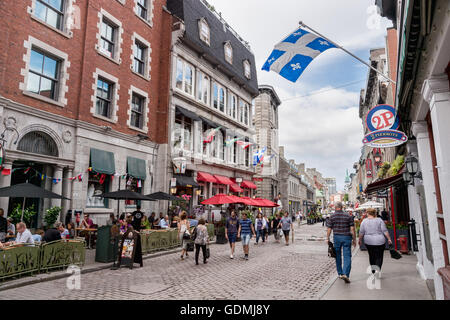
[130,249]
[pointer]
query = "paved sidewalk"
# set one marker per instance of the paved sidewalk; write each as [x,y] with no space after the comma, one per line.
[399,281]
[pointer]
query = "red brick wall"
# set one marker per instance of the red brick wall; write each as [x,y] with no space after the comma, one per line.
[392,46]
[16,25]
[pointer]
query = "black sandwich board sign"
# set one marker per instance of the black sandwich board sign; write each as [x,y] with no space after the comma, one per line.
[130,250]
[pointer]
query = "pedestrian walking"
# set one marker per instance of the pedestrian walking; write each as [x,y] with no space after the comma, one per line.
[286,225]
[201,240]
[260,224]
[246,231]
[374,233]
[344,236]
[267,228]
[231,231]
[384,215]
[183,232]
[275,222]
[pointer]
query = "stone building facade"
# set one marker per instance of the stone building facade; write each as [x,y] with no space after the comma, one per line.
[83,100]
[213,83]
[266,127]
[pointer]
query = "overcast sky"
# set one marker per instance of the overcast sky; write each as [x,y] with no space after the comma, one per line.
[322,130]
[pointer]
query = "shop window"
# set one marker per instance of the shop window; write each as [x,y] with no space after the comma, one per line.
[135,185]
[98,184]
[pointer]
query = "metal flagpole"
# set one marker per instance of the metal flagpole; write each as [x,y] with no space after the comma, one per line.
[342,48]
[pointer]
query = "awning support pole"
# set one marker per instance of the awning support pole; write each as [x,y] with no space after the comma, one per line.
[393,218]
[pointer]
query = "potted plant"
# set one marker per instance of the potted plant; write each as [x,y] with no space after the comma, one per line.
[51,216]
[28,214]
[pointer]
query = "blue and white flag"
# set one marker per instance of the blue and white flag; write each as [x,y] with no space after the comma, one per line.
[258,156]
[292,55]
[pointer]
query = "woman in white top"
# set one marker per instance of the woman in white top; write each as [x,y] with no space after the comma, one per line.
[374,233]
[183,227]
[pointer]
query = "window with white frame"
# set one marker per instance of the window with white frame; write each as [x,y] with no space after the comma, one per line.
[144,10]
[140,58]
[51,12]
[241,111]
[43,75]
[203,87]
[184,77]
[184,128]
[137,111]
[232,106]
[247,70]
[246,114]
[45,72]
[228,50]
[219,97]
[109,36]
[204,31]
[104,97]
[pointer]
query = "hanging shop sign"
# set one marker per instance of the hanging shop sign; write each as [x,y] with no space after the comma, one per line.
[369,168]
[382,117]
[179,165]
[385,138]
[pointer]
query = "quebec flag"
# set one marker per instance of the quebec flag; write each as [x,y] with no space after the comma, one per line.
[258,156]
[292,55]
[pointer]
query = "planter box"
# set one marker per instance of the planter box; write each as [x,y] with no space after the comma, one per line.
[220,239]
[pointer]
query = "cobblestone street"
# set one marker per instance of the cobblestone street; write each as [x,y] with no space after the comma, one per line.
[274,271]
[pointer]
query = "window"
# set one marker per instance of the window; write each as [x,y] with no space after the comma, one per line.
[51,12]
[98,184]
[247,71]
[137,111]
[142,9]
[185,77]
[204,31]
[139,52]
[232,106]
[241,111]
[107,38]
[43,75]
[247,154]
[104,97]
[246,113]
[219,97]
[228,52]
[134,185]
[183,138]
[203,87]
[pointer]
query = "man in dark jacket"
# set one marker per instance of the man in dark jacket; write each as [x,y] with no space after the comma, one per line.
[52,234]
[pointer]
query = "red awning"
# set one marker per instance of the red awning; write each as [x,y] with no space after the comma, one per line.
[203,176]
[266,203]
[248,185]
[223,180]
[235,188]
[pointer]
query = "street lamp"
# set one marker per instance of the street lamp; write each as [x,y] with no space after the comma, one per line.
[408,178]
[412,165]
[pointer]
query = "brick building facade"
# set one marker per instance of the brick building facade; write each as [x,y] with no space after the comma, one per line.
[84,84]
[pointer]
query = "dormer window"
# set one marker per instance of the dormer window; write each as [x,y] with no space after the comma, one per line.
[228,52]
[204,30]
[247,71]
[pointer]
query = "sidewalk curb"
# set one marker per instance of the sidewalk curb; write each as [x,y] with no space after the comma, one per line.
[62,274]
[333,279]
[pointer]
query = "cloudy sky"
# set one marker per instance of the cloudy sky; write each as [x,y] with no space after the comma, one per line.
[319,121]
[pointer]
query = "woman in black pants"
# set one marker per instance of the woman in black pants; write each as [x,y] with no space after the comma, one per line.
[201,239]
[374,233]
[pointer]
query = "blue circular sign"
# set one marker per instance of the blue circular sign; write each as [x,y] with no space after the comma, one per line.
[382,117]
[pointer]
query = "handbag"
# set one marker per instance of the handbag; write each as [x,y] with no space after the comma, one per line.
[186,235]
[190,246]
[194,234]
[207,254]
[331,250]
[280,233]
[394,253]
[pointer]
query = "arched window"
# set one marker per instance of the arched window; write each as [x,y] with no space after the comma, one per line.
[228,52]
[38,142]
[204,30]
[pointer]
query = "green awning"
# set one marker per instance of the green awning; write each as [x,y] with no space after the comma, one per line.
[102,161]
[136,168]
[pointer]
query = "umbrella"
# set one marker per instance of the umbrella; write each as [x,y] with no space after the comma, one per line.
[249,201]
[126,195]
[266,203]
[221,199]
[28,190]
[370,204]
[163,196]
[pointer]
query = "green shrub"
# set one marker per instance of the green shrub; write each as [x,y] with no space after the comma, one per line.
[28,214]
[52,215]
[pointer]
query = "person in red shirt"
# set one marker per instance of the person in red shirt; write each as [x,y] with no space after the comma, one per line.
[87,222]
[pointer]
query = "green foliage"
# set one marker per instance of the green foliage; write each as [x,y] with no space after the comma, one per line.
[396,165]
[52,215]
[346,197]
[383,170]
[28,214]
